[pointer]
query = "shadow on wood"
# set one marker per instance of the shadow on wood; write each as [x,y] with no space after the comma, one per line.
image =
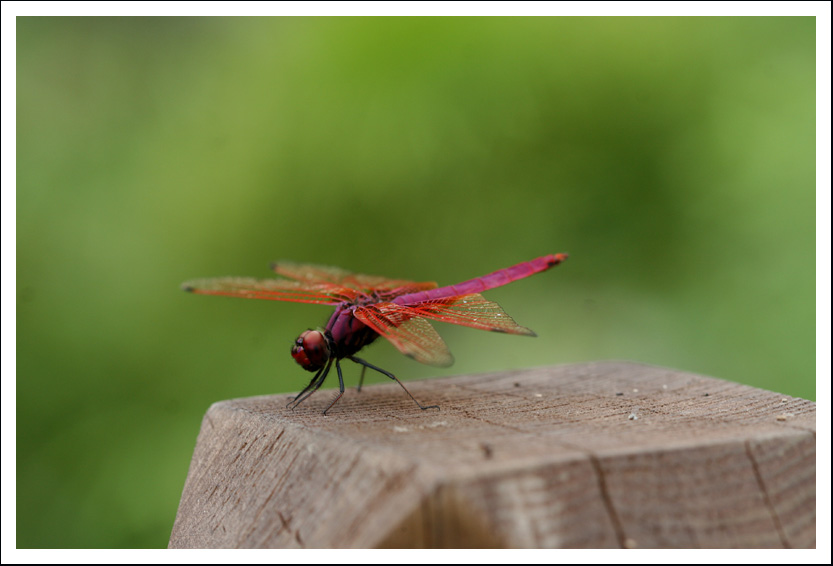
[584,456]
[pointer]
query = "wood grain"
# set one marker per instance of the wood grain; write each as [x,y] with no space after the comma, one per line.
[598,455]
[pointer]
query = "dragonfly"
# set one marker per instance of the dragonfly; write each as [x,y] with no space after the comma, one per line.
[369,306]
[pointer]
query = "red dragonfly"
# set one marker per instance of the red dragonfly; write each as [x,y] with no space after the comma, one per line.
[367,306]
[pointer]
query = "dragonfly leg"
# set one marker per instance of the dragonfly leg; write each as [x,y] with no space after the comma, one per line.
[361,379]
[313,385]
[393,377]
[308,387]
[340,387]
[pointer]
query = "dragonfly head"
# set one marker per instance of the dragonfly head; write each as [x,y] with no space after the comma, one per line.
[311,350]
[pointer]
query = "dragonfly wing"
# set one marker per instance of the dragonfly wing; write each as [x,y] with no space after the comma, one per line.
[414,337]
[402,288]
[272,290]
[367,284]
[309,273]
[470,310]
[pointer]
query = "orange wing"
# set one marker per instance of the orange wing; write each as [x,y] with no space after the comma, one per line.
[307,283]
[472,310]
[408,330]
[414,337]
[273,290]
[367,284]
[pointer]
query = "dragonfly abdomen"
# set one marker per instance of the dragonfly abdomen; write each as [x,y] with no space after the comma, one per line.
[490,281]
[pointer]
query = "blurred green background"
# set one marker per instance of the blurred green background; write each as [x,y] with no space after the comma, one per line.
[673,158]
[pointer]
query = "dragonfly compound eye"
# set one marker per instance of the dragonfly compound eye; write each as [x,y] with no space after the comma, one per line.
[311,350]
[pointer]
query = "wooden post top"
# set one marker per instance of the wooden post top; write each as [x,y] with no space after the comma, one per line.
[611,454]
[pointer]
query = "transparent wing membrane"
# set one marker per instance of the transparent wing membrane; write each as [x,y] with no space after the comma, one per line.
[414,337]
[473,310]
[305,272]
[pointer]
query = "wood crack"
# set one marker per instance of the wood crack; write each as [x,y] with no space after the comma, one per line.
[608,502]
[767,500]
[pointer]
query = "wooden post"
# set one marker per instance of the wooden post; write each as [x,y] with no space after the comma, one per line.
[593,455]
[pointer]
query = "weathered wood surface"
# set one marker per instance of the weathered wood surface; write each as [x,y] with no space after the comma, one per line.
[590,455]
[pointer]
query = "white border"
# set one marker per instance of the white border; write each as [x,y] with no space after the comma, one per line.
[823,226]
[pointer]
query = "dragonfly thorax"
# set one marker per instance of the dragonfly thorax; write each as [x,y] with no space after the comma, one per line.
[311,350]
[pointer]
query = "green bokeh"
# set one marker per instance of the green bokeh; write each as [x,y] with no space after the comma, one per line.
[674,159]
